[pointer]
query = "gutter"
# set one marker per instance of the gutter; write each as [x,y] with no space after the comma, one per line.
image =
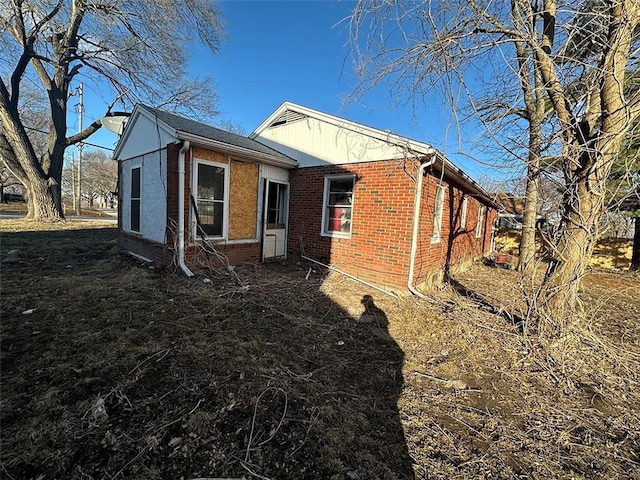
[416,226]
[181,177]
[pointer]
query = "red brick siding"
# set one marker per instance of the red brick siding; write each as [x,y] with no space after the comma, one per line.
[382,223]
[158,253]
[236,253]
[378,250]
[456,245]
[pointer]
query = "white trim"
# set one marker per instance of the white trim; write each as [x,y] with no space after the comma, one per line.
[225,210]
[324,232]
[222,241]
[463,214]
[265,204]
[480,220]
[139,110]
[132,167]
[438,209]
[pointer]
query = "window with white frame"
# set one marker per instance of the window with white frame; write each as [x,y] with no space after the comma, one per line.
[338,205]
[437,214]
[463,214]
[481,213]
[211,195]
[136,183]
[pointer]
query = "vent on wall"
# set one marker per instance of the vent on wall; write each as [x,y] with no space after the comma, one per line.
[288,117]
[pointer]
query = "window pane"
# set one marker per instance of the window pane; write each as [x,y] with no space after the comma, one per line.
[336,186]
[135,215]
[340,199]
[272,215]
[210,182]
[135,182]
[339,220]
[211,214]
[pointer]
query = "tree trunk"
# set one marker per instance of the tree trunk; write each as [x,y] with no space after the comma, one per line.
[635,256]
[527,249]
[557,303]
[42,204]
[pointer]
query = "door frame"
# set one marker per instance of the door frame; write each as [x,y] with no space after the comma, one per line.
[265,206]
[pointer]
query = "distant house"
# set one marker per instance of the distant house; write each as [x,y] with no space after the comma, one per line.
[385,209]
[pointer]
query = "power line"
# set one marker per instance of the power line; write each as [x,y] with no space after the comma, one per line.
[86,143]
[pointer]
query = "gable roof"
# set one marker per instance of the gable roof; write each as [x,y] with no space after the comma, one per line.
[201,134]
[290,112]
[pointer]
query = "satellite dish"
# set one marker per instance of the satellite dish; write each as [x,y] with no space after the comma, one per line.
[115,121]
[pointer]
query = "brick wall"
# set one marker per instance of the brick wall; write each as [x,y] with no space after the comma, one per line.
[457,246]
[379,248]
[237,253]
[158,253]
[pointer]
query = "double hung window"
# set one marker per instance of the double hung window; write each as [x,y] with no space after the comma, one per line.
[136,181]
[211,198]
[437,214]
[463,214]
[481,213]
[338,206]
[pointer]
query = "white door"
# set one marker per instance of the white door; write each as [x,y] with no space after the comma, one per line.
[274,220]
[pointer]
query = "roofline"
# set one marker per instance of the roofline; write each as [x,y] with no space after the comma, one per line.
[450,169]
[127,129]
[384,135]
[234,149]
[141,109]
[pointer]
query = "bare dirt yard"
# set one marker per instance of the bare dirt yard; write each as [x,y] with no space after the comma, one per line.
[112,369]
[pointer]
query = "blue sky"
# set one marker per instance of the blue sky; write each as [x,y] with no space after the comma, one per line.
[299,51]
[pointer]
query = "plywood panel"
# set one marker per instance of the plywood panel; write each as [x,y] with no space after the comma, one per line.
[210,155]
[243,200]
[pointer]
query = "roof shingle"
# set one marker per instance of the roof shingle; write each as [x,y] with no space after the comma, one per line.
[192,127]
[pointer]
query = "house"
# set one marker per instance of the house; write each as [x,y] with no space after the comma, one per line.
[385,209]
[183,184]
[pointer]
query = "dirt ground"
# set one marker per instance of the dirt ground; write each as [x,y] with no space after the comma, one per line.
[112,369]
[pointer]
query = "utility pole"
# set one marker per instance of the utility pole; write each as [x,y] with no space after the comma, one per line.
[80,107]
[73,180]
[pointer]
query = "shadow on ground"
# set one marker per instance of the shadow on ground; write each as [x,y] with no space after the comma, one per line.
[123,371]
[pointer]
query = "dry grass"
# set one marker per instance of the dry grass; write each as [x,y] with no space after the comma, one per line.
[126,372]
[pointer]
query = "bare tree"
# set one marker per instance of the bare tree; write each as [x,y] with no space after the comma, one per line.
[99,178]
[128,50]
[7,180]
[580,56]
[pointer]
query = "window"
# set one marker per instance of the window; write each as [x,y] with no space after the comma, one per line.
[338,205]
[480,222]
[276,205]
[463,213]
[437,214]
[211,198]
[135,200]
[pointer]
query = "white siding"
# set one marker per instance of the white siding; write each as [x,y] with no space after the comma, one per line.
[153,194]
[275,173]
[313,142]
[145,136]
